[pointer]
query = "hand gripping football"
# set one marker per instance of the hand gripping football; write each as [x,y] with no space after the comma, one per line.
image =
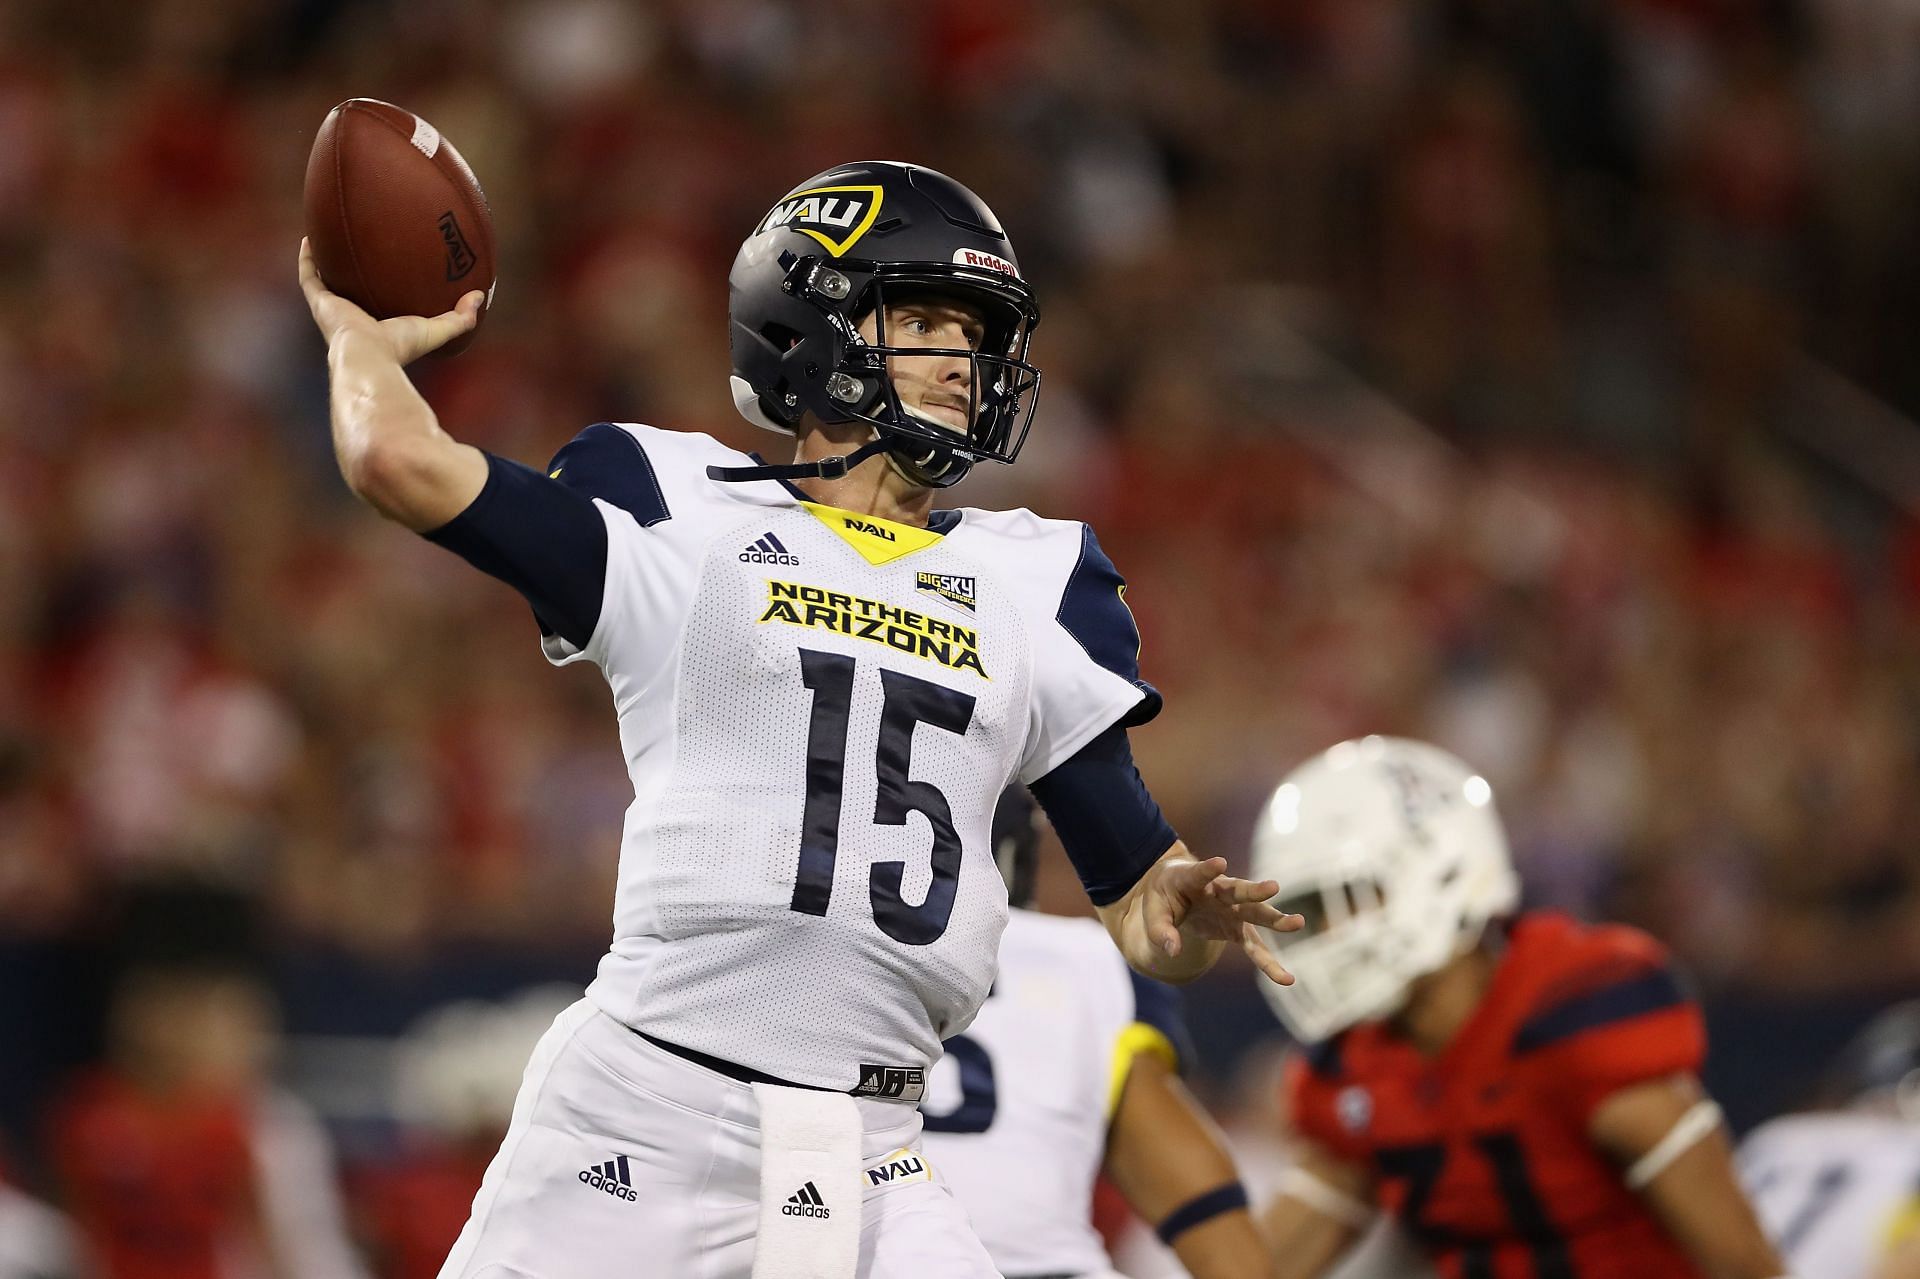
[396,219]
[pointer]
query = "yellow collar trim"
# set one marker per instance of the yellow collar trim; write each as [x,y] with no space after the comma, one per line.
[878,541]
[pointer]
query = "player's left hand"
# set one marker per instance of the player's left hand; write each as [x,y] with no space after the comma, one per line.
[1198,901]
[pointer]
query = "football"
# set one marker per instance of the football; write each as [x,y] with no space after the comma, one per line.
[396,219]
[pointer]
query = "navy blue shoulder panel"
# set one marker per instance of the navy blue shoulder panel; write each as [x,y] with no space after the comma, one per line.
[606,462]
[1648,992]
[1094,611]
[1159,1006]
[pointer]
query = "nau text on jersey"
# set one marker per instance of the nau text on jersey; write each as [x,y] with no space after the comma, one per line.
[901,629]
[871,530]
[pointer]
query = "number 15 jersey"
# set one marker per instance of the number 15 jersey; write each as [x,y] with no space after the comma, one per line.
[818,710]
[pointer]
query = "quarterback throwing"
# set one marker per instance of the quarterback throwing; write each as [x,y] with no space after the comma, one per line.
[822,685]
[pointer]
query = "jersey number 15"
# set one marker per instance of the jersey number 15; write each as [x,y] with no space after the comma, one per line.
[909,702]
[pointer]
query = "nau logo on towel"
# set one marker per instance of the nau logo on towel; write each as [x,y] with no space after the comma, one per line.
[899,1165]
[893,1083]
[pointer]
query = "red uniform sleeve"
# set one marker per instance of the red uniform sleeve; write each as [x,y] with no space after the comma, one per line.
[1618,1016]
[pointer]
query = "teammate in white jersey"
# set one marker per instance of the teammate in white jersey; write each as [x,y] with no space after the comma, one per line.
[1070,1069]
[1838,1189]
[822,686]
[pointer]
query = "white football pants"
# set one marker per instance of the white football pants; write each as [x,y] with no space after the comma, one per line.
[624,1161]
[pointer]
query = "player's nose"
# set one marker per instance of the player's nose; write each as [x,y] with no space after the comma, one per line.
[954,370]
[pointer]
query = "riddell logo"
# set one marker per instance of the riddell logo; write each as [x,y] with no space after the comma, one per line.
[768,550]
[612,1177]
[986,261]
[460,257]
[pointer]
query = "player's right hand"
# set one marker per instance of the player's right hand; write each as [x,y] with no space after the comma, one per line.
[406,337]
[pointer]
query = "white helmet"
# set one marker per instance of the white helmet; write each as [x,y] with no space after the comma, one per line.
[1392,851]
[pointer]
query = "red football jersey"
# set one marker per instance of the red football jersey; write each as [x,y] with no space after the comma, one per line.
[1482,1151]
[158,1187]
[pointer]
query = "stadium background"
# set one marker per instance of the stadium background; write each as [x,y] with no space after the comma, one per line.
[1530,375]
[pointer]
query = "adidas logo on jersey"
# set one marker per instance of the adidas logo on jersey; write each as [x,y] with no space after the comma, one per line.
[806,1202]
[768,551]
[894,1083]
[611,1177]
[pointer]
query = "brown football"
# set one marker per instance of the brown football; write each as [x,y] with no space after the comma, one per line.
[395,217]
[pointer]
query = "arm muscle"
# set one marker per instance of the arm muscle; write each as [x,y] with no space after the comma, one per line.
[1163,1152]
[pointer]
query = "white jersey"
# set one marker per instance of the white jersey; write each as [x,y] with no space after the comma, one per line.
[36,1242]
[1016,1113]
[1830,1187]
[819,710]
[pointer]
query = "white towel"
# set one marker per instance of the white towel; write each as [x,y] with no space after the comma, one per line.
[810,1184]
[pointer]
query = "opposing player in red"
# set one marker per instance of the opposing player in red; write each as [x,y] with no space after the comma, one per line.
[1520,1090]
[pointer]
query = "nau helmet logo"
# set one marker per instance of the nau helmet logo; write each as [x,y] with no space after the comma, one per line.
[835,216]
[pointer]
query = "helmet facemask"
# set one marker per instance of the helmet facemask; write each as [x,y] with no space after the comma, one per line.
[861,385]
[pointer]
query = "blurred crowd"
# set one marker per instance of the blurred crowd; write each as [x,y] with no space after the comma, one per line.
[1530,375]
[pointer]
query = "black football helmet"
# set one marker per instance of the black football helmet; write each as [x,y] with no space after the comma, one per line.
[1016,842]
[837,248]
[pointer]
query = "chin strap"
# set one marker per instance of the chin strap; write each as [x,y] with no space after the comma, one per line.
[827,468]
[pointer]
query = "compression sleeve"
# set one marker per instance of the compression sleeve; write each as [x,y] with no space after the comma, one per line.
[540,537]
[1108,823]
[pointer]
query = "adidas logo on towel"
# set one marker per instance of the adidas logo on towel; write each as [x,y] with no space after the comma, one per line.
[768,551]
[806,1202]
[611,1177]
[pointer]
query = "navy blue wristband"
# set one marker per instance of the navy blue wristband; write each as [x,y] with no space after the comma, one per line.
[1201,1208]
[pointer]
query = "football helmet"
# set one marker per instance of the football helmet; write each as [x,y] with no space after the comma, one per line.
[1393,853]
[838,248]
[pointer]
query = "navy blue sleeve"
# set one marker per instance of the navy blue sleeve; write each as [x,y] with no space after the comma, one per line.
[1159,1005]
[1093,609]
[1108,823]
[544,539]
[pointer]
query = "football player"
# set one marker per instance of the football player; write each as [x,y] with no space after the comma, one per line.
[822,685]
[1839,1188]
[1520,1091]
[1070,1070]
